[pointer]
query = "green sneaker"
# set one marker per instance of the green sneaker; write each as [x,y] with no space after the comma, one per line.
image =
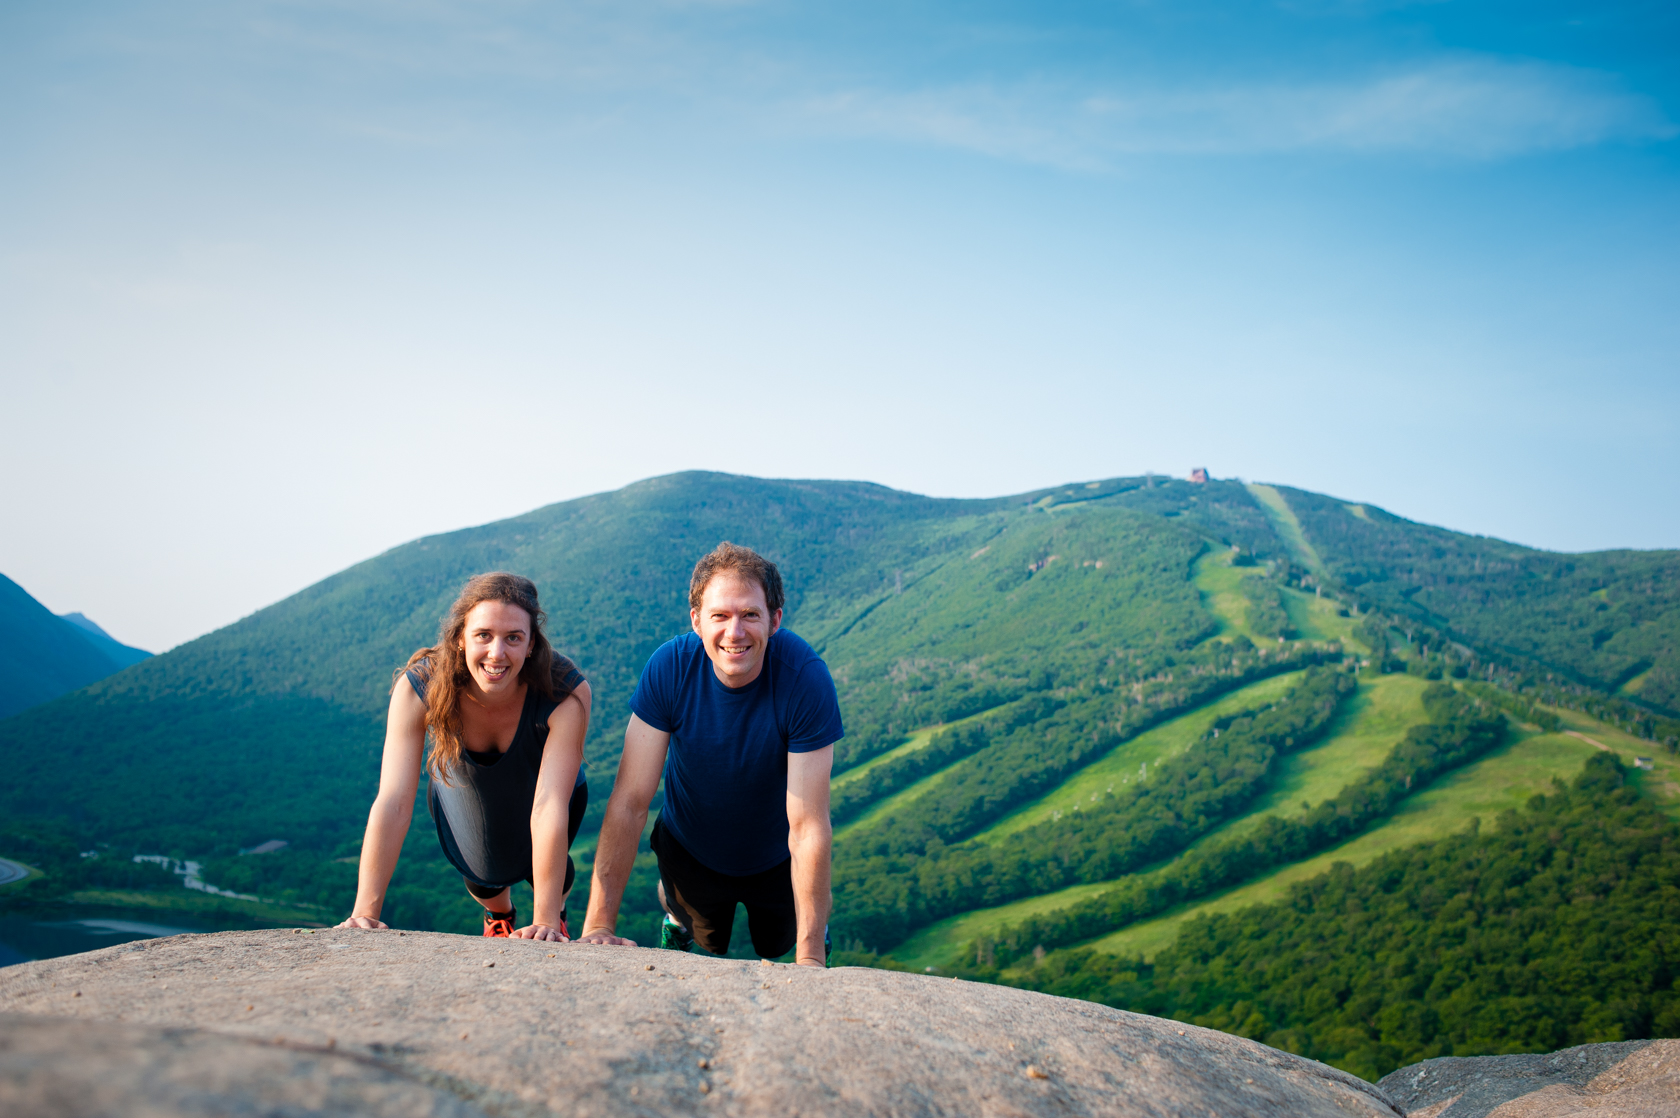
[673,936]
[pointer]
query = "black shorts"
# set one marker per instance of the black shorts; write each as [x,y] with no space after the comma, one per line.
[484,890]
[705,900]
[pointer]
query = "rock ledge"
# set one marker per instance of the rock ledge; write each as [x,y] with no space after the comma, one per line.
[356,1022]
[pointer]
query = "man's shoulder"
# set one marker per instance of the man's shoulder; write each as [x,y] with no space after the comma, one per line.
[792,653]
[668,665]
[675,650]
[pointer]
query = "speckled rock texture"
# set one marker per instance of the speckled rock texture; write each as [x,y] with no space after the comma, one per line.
[1630,1079]
[56,1065]
[291,1023]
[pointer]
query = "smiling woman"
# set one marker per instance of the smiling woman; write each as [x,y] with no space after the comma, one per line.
[507,717]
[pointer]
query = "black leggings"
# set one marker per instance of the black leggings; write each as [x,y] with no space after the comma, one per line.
[574,819]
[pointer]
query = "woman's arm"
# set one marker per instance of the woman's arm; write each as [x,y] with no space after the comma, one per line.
[562,754]
[399,777]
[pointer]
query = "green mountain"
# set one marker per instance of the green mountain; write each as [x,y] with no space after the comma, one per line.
[43,656]
[1080,719]
[926,609]
[1609,619]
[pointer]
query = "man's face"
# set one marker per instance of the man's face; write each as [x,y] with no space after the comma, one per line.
[735,626]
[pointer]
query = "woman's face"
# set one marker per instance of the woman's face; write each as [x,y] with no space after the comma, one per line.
[496,641]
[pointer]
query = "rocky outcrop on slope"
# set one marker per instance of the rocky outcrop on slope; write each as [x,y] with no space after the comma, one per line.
[1629,1079]
[343,1022]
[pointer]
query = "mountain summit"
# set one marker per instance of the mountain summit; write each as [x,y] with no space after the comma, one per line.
[42,656]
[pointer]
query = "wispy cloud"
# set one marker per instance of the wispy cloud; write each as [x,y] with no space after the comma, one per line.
[443,73]
[1473,108]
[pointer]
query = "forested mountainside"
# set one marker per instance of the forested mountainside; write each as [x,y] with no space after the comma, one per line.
[1079,720]
[1559,927]
[43,655]
[1609,618]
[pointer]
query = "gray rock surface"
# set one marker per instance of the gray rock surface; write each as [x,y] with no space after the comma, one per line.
[1631,1078]
[526,1029]
[58,1066]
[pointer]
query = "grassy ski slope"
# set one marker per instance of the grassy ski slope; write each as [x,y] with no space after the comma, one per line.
[1220,586]
[1150,748]
[889,804]
[1480,791]
[1375,719]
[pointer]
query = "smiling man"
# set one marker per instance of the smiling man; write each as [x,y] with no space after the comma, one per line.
[740,717]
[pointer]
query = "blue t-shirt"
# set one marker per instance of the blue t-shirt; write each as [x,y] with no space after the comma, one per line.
[726,770]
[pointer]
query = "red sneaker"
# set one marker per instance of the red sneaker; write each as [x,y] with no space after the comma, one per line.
[498,925]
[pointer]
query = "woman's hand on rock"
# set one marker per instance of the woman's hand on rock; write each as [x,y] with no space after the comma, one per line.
[541,931]
[364,922]
[605,938]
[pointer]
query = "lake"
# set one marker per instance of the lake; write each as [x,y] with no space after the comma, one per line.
[23,938]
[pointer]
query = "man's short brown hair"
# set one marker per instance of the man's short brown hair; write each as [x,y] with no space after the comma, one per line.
[743,562]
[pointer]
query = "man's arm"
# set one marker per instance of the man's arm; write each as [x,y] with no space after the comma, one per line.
[811,842]
[627,811]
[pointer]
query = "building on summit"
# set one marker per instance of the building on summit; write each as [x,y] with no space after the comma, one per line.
[1199,476]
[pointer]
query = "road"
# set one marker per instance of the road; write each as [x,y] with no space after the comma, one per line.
[12,871]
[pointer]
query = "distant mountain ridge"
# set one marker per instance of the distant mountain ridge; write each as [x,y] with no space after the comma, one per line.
[42,655]
[122,654]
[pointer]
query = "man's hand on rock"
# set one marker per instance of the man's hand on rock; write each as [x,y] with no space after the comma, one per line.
[364,922]
[818,963]
[605,937]
[541,931]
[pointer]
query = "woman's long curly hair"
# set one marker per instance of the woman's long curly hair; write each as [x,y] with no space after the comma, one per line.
[445,663]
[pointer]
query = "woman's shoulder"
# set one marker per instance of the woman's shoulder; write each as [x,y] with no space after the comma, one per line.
[419,675]
[567,676]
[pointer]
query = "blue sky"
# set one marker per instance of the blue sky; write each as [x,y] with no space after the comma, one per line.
[285,284]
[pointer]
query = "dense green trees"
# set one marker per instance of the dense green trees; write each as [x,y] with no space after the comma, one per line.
[1559,927]
[1603,618]
[52,848]
[945,747]
[903,873]
[1024,604]
[1266,615]
[1512,683]
[1524,710]
[1458,733]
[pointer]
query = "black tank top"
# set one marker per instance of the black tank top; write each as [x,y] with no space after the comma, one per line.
[487,801]
[532,720]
